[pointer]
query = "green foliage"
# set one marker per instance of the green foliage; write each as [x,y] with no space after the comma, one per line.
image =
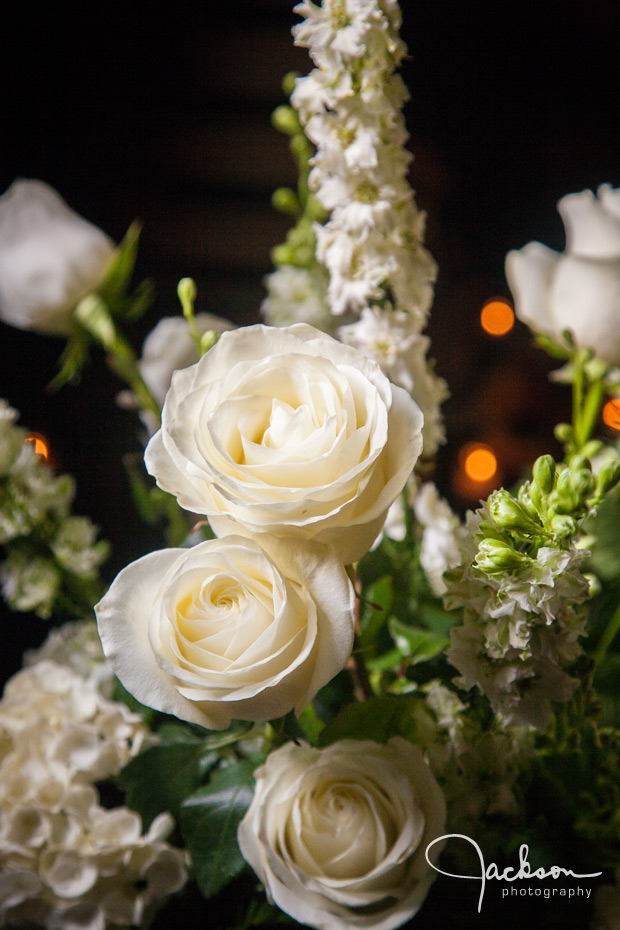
[378,719]
[209,821]
[161,777]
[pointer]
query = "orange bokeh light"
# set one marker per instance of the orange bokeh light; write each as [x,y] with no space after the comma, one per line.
[479,462]
[611,413]
[497,317]
[40,445]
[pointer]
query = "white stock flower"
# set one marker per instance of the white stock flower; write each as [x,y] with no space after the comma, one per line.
[579,289]
[338,836]
[521,627]
[12,437]
[228,629]
[440,538]
[287,432]
[170,346]
[49,258]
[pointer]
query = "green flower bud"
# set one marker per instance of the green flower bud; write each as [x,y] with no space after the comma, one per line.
[543,473]
[288,82]
[285,119]
[494,556]
[283,255]
[510,514]
[608,477]
[592,448]
[285,201]
[186,289]
[208,340]
[563,525]
[563,432]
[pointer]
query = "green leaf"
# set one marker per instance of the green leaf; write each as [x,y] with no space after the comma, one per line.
[209,822]
[375,719]
[416,644]
[161,777]
[375,609]
[436,618]
[311,724]
[72,360]
[121,268]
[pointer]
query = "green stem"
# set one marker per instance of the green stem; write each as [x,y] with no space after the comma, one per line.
[611,631]
[93,314]
[578,385]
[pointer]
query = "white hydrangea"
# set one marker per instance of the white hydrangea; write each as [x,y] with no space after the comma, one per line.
[441,536]
[78,646]
[30,583]
[65,861]
[521,626]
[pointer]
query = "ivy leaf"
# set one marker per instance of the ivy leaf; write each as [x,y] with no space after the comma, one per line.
[416,644]
[209,822]
[160,778]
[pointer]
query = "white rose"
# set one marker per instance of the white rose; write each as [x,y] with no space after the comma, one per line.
[287,432]
[338,837]
[49,258]
[578,290]
[170,346]
[228,629]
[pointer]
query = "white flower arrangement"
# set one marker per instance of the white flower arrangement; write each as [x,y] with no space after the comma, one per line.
[330,675]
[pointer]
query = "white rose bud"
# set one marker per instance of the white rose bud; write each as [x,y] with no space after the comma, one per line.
[229,629]
[578,290]
[49,258]
[287,432]
[338,837]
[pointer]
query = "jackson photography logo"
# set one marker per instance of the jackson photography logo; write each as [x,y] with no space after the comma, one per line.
[512,874]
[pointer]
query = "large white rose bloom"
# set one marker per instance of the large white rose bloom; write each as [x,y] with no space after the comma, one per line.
[578,290]
[338,837]
[228,629]
[49,258]
[287,432]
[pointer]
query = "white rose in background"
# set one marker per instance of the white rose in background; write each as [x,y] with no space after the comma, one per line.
[287,432]
[578,290]
[228,629]
[338,836]
[170,346]
[49,258]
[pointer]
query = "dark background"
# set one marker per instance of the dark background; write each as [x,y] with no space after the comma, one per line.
[164,116]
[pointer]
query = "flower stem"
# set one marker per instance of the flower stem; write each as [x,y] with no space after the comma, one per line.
[94,315]
[609,634]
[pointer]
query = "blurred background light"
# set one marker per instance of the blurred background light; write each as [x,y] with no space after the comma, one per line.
[40,445]
[479,462]
[497,317]
[611,413]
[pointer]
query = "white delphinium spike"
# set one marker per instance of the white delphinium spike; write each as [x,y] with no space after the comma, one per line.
[350,107]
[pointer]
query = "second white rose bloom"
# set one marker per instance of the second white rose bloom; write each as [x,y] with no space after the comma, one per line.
[287,432]
[229,628]
[338,836]
[49,258]
[578,290]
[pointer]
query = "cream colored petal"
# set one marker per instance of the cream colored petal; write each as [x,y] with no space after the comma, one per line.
[585,298]
[529,272]
[591,230]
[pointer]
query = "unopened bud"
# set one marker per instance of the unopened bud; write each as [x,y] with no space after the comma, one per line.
[285,120]
[509,513]
[563,432]
[186,289]
[285,201]
[608,477]
[495,556]
[288,82]
[543,472]
[208,340]
[563,525]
